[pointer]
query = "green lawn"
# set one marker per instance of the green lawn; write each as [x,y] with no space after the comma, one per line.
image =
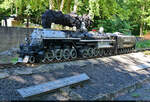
[143,44]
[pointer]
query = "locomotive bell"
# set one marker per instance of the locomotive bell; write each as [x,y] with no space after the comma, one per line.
[101,30]
[83,28]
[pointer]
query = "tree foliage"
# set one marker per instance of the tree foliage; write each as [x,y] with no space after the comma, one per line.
[127,16]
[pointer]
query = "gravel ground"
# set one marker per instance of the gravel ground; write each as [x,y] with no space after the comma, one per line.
[142,93]
[105,77]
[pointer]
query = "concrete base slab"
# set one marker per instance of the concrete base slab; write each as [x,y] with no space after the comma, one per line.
[108,75]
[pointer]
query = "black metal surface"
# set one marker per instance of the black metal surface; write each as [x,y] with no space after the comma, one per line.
[70,20]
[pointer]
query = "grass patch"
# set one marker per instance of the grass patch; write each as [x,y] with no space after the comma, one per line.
[4,60]
[143,44]
[147,52]
[147,90]
[135,95]
[14,60]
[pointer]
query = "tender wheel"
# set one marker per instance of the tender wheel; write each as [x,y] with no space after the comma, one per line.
[50,55]
[90,52]
[110,52]
[101,52]
[128,50]
[73,53]
[58,54]
[66,54]
[105,52]
[95,52]
[32,59]
[84,53]
[121,51]
[125,50]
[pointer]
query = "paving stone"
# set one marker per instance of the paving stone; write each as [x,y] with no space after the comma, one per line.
[3,75]
[65,91]
[48,67]
[74,96]
[93,61]
[42,68]
[22,71]
[140,67]
[81,63]
[78,63]
[70,63]
[99,97]
[58,66]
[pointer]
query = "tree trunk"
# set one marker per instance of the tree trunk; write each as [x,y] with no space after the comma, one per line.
[62,5]
[141,29]
[58,4]
[75,6]
[51,4]
[68,6]
[5,19]
[27,22]
[16,11]
[142,23]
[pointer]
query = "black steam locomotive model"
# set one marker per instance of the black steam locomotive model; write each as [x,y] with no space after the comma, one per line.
[46,45]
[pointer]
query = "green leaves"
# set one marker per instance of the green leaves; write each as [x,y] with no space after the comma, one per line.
[94,7]
[126,16]
[143,44]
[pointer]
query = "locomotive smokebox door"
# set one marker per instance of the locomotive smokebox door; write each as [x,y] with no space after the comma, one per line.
[26,59]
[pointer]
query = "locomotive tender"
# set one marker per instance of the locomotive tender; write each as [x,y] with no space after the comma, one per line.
[46,45]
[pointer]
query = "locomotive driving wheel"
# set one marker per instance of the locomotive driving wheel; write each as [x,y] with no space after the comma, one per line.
[105,53]
[73,53]
[101,51]
[84,53]
[32,59]
[58,54]
[66,54]
[110,52]
[95,52]
[90,52]
[50,55]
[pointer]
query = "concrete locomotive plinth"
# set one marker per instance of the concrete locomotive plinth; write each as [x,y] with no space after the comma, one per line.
[109,77]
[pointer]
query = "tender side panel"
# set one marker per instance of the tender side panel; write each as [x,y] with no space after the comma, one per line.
[100,43]
[126,42]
